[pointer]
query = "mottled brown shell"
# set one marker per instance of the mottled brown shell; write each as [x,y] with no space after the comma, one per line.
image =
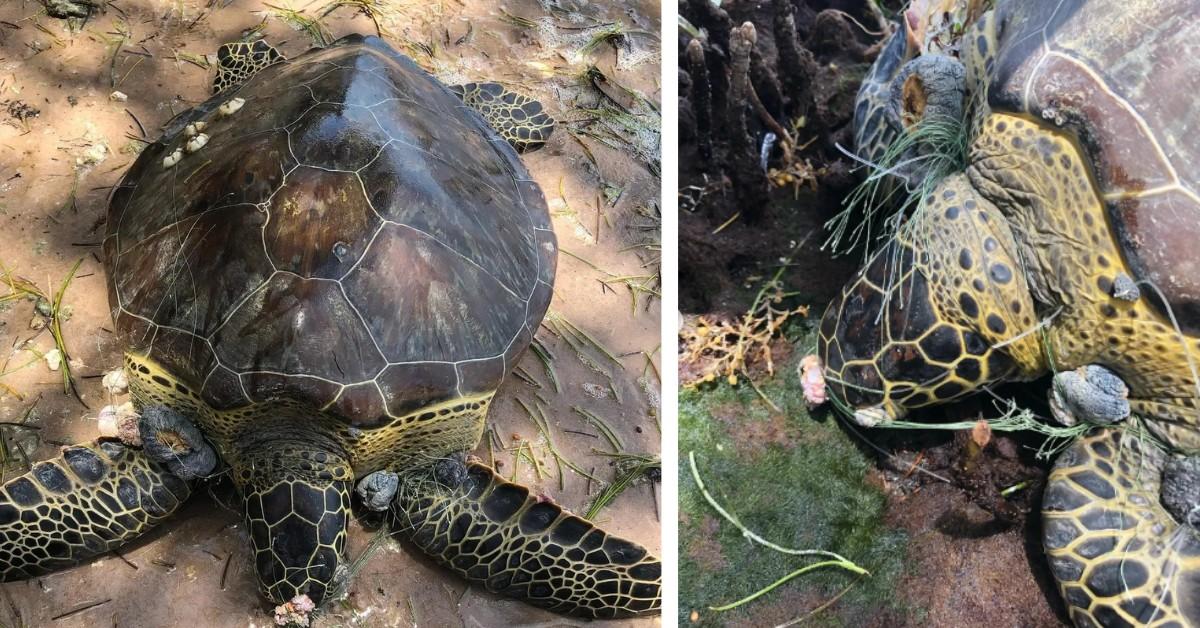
[1123,77]
[352,238]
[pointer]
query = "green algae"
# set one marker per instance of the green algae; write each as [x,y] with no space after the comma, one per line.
[794,478]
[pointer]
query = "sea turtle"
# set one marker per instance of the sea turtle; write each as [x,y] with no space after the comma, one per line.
[1068,245]
[322,274]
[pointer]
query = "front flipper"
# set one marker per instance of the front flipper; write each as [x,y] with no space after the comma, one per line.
[874,130]
[88,501]
[519,119]
[495,533]
[1119,557]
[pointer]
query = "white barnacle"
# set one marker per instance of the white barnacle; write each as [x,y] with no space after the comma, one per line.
[173,158]
[116,382]
[194,128]
[231,106]
[197,142]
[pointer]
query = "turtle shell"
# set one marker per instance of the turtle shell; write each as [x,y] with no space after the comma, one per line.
[352,238]
[1122,77]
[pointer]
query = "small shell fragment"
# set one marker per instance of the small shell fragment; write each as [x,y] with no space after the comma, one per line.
[116,382]
[197,142]
[1125,288]
[195,127]
[231,106]
[173,158]
[107,421]
[118,96]
[54,359]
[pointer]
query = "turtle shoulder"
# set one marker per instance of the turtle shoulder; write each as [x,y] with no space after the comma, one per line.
[1117,77]
[351,238]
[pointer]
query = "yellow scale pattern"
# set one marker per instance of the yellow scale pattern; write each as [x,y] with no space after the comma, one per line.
[407,442]
[496,533]
[1072,260]
[517,118]
[981,304]
[89,500]
[1117,555]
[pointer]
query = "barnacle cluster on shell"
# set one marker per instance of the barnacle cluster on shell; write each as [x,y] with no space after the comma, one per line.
[231,106]
[170,160]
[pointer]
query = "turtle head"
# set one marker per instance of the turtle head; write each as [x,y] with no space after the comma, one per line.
[884,347]
[939,312]
[297,504]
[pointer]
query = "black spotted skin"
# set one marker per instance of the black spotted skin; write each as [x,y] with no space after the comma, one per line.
[924,325]
[493,532]
[89,500]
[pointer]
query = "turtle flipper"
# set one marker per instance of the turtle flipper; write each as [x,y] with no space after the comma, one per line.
[519,119]
[493,532]
[89,500]
[1119,557]
[238,61]
[874,129]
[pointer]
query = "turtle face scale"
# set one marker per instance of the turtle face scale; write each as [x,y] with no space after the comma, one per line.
[903,334]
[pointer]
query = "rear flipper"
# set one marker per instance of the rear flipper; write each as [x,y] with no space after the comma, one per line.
[1119,557]
[90,500]
[495,533]
[238,61]
[519,119]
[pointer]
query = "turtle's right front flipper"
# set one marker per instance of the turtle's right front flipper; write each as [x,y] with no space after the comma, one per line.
[89,500]
[493,532]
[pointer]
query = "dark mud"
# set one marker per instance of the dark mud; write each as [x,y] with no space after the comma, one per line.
[972,518]
[773,221]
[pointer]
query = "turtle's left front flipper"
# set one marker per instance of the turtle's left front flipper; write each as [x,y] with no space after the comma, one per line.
[89,500]
[493,532]
[519,119]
